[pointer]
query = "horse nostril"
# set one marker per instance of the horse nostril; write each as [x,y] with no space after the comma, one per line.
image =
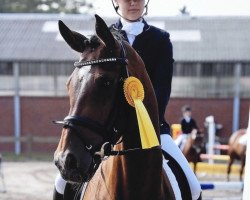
[70,162]
[56,163]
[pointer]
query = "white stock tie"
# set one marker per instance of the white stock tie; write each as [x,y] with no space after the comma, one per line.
[132,29]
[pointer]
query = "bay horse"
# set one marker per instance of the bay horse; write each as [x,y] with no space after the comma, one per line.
[100,142]
[237,151]
[193,148]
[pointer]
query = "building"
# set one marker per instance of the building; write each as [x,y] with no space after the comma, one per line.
[211,72]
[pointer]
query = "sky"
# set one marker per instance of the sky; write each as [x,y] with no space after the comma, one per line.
[194,7]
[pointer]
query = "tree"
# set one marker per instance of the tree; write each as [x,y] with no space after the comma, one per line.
[45,6]
[184,11]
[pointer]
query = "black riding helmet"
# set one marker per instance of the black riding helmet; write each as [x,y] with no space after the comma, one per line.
[116,7]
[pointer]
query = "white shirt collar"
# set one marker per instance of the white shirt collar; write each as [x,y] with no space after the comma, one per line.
[133,28]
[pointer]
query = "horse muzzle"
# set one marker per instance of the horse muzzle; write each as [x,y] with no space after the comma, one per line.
[74,169]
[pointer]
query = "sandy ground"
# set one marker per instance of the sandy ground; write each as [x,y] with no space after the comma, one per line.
[34,181]
[28,180]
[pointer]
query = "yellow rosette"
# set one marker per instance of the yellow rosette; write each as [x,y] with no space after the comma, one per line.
[134,94]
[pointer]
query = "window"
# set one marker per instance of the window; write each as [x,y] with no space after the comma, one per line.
[6,68]
[217,69]
[46,69]
[185,69]
[245,69]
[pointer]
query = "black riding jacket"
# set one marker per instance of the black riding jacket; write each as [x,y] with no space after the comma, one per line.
[155,49]
[187,127]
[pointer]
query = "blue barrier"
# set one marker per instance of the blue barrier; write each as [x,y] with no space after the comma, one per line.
[222,185]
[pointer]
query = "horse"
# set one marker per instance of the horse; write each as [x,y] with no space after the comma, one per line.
[100,142]
[237,151]
[193,147]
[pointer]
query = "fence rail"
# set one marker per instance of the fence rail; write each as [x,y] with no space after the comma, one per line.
[222,185]
[29,140]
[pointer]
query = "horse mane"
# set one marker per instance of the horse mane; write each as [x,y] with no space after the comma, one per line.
[137,68]
[118,35]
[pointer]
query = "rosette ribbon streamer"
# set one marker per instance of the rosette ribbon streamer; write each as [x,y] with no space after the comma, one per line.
[134,94]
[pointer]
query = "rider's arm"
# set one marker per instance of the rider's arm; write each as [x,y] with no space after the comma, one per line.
[162,77]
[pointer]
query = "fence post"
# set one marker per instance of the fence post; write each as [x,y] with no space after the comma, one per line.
[17,109]
[236,103]
[211,137]
[29,142]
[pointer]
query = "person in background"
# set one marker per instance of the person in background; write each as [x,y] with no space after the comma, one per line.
[188,126]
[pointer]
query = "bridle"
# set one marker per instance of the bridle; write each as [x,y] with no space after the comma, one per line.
[74,122]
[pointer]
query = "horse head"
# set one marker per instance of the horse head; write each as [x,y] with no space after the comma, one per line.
[99,114]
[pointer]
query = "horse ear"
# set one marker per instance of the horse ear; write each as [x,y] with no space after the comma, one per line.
[104,33]
[74,39]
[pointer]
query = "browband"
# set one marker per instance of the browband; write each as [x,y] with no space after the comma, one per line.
[100,61]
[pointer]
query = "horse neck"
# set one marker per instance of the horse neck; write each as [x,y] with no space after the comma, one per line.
[188,145]
[140,172]
[138,175]
[137,68]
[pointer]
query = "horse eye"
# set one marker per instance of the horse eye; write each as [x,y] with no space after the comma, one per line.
[105,81]
[108,83]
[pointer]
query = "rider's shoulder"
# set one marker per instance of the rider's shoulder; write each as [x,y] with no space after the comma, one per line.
[158,32]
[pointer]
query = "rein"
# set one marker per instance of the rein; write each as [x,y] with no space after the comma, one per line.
[73,122]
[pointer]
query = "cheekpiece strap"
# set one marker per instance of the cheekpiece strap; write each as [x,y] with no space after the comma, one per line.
[101,61]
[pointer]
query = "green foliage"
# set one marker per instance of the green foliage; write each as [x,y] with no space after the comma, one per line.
[45,6]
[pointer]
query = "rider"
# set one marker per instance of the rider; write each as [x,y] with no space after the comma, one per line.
[155,48]
[188,126]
